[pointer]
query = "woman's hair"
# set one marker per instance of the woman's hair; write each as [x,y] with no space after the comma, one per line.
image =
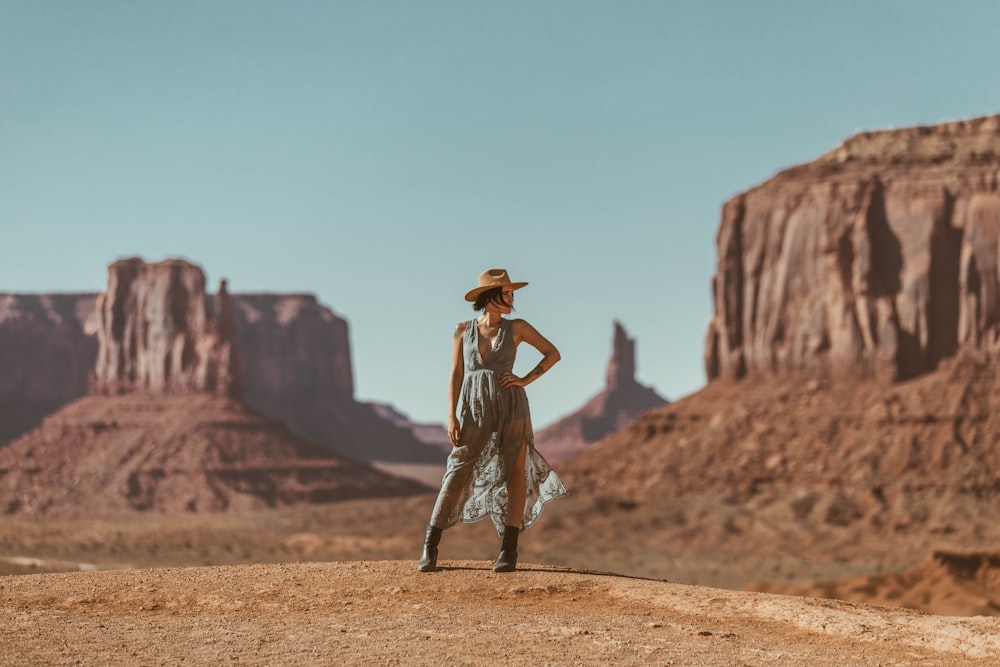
[494,294]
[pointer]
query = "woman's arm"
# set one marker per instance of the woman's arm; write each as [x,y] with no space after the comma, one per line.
[455,385]
[524,332]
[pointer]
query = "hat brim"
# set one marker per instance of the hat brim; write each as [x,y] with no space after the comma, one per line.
[473,294]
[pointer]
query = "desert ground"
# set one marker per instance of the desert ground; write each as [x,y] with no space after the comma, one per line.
[626,570]
[700,541]
[336,584]
[386,613]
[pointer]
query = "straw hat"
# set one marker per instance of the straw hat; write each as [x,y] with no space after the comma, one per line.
[490,279]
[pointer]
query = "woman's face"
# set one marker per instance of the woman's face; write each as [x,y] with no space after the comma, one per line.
[506,301]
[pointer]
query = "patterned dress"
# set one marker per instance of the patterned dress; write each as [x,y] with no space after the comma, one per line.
[495,422]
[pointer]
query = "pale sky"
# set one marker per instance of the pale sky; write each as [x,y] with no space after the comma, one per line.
[382,154]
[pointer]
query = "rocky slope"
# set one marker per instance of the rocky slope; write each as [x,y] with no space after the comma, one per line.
[156,453]
[848,470]
[621,400]
[878,259]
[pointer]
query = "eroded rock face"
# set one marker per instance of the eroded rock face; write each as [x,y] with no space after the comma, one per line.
[286,355]
[293,347]
[878,259]
[297,367]
[155,332]
[47,349]
[621,401]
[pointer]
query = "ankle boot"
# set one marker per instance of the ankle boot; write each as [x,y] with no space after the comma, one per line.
[428,560]
[507,560]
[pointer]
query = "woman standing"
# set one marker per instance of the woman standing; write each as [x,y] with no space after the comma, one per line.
[494,469]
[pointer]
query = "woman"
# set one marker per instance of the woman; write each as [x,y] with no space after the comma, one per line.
[493,469]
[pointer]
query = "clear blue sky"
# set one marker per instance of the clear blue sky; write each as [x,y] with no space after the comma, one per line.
[382,154]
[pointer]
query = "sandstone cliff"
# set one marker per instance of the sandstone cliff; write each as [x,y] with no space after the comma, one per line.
[621,401]
[163,333]
[297,367]
[878,259]
[155,332]
[164,429]
[48,346]
[876,262]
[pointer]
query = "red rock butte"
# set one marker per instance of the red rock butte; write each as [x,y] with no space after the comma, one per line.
[155,329]
[852,409]
[878,259]
[163,430]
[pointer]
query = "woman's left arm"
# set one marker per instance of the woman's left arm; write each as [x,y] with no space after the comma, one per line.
[524,332]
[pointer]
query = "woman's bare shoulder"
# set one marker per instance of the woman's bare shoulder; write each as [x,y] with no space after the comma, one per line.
[460,329]
[521,325]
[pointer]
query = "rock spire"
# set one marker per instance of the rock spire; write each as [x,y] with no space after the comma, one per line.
[621,401]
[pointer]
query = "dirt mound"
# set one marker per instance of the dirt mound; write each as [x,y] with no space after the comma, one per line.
[386,612]
[112,455]
[954,583]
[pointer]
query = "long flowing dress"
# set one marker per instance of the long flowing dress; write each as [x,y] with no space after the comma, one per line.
[495,423]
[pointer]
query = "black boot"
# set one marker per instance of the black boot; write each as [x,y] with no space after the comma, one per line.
[429,559]
[507,560]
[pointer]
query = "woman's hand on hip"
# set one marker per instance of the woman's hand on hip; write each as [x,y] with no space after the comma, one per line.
[510,380]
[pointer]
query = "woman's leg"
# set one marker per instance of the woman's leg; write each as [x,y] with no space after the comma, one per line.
[517,489]
[453,493]
[455,485]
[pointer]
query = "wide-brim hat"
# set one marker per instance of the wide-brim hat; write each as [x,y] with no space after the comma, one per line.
[490,279]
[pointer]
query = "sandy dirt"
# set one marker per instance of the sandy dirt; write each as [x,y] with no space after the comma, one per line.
[386,613]
[576,533]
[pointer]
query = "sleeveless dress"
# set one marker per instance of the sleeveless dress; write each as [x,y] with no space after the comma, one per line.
[495,422]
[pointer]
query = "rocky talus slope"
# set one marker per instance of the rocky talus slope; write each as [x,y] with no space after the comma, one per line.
[141,452]
[811,468]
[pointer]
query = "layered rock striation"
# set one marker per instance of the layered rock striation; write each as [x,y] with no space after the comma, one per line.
[157,333]
[878,259]
[614,407]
